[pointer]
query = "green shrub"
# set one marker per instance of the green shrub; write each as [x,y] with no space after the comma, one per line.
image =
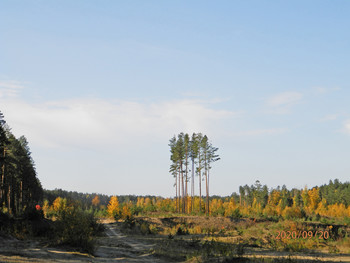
[129,222]
[317,217]
[4,221]
[219,249]
[101,213]
[77,228]
[346,220]
[294,245]
[42,228]
[144,228]
[136,210]
[236,214]
[153,229]
[30,213]
[181,231]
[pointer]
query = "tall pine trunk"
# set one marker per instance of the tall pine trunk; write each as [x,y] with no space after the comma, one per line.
[200,193]
[2,190]
[9,200]
[186,179]
[178,197]
[21,196]
[176,192]
[183,190]
[206,184]
[192,185]
[207,187]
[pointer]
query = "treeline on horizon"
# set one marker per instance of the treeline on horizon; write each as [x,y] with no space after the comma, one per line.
[85,199]
[328,200]
[335,192]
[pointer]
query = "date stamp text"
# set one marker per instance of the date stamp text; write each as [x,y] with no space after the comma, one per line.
[320,234]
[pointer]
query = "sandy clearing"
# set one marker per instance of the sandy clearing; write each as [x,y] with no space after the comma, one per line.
[120,248]
[115,247]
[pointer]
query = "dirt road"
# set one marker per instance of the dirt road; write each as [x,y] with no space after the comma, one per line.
[114,247]
[120,248]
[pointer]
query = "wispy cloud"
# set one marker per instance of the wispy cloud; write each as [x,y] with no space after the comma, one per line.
[10,88]
[281,103]
[284,99]
[100,123]
[347,126]
[259,132]
[330,117]
[323,90]
[319,90]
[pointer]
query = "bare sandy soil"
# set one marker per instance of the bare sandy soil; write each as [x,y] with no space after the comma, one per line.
[118,247]
[121,248]
[13,250]
[113,248]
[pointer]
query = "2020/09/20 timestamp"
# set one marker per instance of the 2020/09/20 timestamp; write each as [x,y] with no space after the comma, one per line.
[320,234]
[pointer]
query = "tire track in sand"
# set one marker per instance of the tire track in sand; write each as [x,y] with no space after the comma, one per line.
[117,247]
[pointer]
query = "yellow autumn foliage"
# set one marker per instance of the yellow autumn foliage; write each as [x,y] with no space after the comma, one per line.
[113,207]
[314,198]
[59,205]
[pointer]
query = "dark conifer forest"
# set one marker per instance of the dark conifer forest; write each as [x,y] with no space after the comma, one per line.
[20,188]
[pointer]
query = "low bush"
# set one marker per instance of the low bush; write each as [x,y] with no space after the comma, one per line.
[195,230]
[294,245]
[181,230]
[32,214]
[144,228]
[216,249]
[76,229]
[31,224]
[129,222]
[235,214]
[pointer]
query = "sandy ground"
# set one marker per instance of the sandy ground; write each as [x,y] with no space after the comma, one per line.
[120,248]
[116,247]
[113,248]
[302,257]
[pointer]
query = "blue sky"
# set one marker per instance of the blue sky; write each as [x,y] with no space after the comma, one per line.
[99,87]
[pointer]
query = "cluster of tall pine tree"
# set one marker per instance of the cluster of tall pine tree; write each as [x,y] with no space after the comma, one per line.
[191,156]
[20,189]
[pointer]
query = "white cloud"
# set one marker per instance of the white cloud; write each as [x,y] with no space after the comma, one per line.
[319,90]
[254,132]
[282,102]
[347,126]
[323,90]
[10,88]
[258,132]
[285,99]
[95,123]
[330,117]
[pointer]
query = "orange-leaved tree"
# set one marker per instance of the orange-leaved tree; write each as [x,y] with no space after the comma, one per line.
[96,201]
